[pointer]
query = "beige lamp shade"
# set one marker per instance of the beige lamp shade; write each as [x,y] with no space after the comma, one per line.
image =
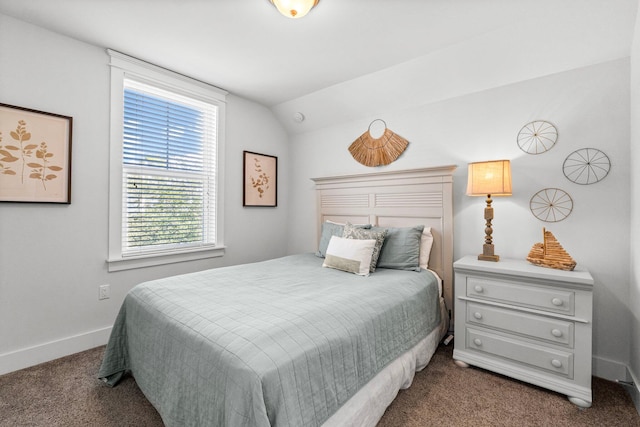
[489,178]
[294,8]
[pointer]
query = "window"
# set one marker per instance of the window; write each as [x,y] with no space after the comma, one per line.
[166,138]
[168,161]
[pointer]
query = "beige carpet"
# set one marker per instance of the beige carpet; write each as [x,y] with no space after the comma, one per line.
[65,392]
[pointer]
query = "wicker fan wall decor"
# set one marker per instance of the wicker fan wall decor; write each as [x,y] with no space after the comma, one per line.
[372,151]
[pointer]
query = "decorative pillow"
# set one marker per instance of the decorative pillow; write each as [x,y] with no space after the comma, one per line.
[351,255]
[401,248]
[426,241]
[330,228]
[353,232]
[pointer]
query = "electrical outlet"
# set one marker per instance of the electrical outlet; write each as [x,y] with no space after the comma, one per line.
[104,292]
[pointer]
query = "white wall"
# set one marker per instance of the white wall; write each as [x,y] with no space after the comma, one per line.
[634,289]
[52,257]
[590,108]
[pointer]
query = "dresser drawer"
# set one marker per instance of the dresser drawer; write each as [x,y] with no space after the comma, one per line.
[528,322]
[537,327]
[553,300]
[551,360]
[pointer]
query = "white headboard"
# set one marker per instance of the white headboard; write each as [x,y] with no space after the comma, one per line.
[397,199]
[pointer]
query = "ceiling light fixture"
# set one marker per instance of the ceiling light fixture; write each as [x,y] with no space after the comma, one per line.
[294,8]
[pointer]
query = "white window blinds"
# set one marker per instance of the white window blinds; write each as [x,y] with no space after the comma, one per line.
[168,171]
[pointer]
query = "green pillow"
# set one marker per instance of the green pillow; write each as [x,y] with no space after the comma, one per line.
[401,248]
[331,229]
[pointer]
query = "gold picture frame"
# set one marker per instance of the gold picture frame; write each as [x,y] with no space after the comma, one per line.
[35,156]
[260,179]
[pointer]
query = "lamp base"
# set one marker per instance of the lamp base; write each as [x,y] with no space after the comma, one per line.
[487,253]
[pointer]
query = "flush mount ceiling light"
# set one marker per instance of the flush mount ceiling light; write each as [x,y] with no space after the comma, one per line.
[294,8]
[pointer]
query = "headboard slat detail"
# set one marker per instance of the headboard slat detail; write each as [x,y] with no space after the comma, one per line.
[409,199]
[337,200]
[397,199]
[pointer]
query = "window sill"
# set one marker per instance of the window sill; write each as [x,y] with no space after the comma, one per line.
[150,260]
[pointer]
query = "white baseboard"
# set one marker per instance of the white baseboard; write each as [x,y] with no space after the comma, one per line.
[609,369]
[614,371]
[35,355]
[634,390]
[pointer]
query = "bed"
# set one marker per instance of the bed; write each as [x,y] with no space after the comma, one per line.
[295,341]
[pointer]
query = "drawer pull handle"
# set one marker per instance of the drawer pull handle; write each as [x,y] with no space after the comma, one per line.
[477,342]
[477,315]
[479,289]
[556,363]
[556,333]
[557,302]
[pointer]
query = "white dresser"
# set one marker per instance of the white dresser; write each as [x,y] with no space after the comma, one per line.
[527,322]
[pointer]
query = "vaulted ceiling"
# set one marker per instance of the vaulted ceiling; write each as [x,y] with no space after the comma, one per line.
[249,49]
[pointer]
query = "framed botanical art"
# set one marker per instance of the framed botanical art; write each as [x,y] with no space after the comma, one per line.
[35,156]
[260,179]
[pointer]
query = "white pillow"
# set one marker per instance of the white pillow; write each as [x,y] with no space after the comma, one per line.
[350,255]
[426,241]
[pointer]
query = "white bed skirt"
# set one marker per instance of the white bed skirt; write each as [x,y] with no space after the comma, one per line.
[367,406]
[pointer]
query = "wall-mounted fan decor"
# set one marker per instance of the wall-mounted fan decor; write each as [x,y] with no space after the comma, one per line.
[551,205]
[372,151]
[537,137]
[586,166]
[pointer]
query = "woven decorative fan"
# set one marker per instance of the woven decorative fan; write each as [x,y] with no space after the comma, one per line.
[381,151]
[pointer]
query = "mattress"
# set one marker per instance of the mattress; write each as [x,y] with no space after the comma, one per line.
[282,342]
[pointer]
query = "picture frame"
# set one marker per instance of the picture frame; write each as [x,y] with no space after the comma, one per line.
[260,179]
[35,156]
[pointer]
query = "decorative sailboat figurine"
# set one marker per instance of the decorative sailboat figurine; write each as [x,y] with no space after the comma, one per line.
[550,254]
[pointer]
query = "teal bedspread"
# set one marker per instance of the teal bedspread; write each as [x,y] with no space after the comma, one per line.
[283,342]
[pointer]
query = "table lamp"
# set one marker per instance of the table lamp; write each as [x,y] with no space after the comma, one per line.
[490,178]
